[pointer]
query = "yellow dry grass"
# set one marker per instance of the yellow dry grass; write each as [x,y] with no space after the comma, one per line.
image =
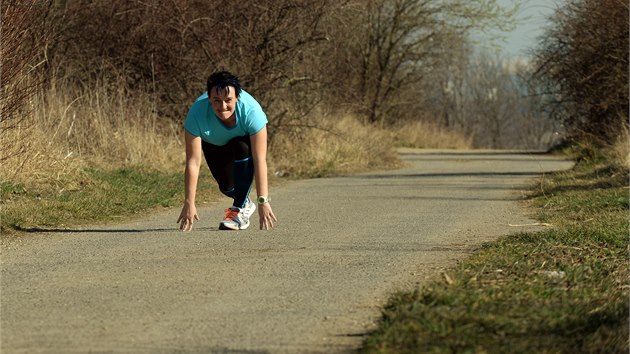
[68,129]
[620,151]
[338,146]
[428,135]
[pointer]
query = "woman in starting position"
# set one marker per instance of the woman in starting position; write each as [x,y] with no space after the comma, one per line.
[230,127]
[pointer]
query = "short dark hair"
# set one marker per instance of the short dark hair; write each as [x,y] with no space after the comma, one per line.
[223,79]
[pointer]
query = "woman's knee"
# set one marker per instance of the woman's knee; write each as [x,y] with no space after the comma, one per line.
[241,148]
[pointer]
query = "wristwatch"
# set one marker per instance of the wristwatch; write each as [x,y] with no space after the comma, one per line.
[262,199]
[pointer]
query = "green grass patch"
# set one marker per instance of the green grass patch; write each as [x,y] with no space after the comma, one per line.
[564,290]
[97,195]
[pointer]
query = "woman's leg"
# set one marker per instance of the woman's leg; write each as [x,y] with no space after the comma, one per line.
[220,160]
[242,170]
[232,167]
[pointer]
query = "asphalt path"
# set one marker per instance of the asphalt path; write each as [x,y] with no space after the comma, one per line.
[314,284]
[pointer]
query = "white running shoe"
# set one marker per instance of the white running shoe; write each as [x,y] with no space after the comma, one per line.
[234,219]
[250,208]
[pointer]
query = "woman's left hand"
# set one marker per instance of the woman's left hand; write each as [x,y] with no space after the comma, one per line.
[266,215]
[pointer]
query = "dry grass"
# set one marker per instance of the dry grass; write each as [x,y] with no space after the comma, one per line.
[339,146]
[70,128]
[620,151]
[421,134]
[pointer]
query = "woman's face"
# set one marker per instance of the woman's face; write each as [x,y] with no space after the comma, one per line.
[223,102]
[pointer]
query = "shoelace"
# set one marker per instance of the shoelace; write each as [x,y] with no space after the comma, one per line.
[230,214]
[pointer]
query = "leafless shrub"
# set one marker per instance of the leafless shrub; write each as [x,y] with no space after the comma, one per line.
[583,61]
[488,99]
[498,107]
[289,53]
[171,46]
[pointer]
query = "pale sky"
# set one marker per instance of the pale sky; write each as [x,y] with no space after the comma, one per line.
[531,21]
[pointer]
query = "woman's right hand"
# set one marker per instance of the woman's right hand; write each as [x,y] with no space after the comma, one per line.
[187,217]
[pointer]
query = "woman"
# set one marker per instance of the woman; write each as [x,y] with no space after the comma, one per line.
[230,127]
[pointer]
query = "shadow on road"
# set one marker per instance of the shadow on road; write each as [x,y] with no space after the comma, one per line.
[457,174]
[404,152]
[75,231]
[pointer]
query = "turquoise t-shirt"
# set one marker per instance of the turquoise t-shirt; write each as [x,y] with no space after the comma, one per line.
[202,122]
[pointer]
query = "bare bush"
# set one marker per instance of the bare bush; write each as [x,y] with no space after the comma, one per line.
[171,46]
[307,61]
[499,107]
[289,53]
[583,61]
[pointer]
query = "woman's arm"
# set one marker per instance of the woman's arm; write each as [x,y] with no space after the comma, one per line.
[193,162]
[259,153]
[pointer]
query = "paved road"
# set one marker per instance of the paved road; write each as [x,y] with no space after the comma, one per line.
[312,285]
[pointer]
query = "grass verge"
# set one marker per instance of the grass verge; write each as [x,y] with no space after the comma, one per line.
[560,291]
[97,195]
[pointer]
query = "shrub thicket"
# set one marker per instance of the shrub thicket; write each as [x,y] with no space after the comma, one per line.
[170,47]
[293,54]
[583,62]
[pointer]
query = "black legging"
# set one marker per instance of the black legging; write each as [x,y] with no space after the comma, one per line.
[232,167]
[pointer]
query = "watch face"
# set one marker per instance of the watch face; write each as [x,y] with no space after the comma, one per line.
[262,200]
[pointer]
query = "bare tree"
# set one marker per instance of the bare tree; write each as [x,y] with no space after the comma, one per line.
[403,41]
[491,99]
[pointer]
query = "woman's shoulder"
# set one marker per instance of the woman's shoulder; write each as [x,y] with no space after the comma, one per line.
[200,102]
[199,108]
[248,101]
[201,99]
[253,115]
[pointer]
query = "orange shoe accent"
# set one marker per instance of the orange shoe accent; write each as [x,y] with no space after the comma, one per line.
[230,214]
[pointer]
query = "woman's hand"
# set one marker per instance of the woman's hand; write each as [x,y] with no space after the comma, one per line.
[187,217]
[266,215]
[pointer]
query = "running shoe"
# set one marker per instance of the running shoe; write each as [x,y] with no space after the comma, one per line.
[234,219]
[250,208]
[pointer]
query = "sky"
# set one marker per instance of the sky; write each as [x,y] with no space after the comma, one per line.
[531,21]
